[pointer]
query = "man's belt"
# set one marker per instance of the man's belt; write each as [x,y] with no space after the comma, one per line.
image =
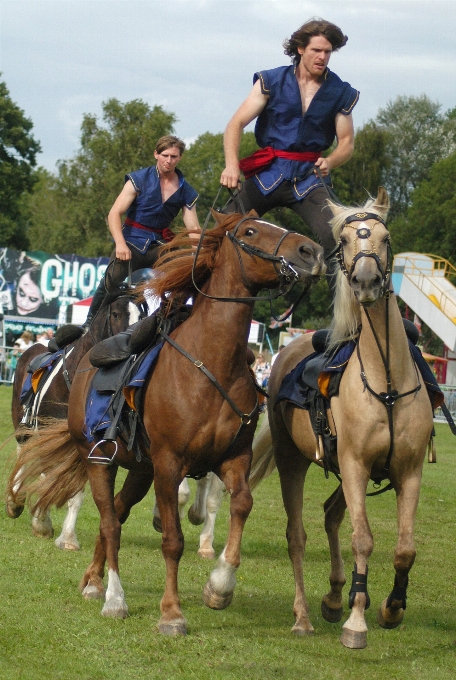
[259,160]
[166,234]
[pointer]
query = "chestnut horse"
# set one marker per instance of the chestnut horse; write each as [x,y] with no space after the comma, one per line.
[383,420]
[200,407]
[115,315]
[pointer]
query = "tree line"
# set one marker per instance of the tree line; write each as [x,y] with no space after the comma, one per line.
[410,148]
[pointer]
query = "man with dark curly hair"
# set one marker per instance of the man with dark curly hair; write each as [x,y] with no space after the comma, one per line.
[300,110]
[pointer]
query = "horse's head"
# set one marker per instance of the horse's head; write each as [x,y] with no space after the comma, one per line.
[271,256]
[121,313]
[364,250]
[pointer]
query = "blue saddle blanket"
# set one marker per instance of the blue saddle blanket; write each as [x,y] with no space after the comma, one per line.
[98,416]
[295,390]
[49,361]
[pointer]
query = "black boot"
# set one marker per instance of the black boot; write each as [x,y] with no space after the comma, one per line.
[97,301]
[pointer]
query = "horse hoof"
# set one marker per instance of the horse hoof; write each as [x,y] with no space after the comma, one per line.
[42,532]
[157,524]
[92,593]
[214,600]
[300,631]
[194,518]
[353,639]
[330,614]
[388,618]
[65,545]
[207,553]
[115,610]
[14,511]
[173,628]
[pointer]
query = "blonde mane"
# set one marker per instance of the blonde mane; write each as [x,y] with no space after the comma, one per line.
[347,313]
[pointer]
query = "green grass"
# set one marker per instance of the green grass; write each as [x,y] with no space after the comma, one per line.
[48,632]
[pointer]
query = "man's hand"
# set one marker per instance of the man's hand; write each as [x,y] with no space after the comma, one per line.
[230,177]
[324,166]
[123,252]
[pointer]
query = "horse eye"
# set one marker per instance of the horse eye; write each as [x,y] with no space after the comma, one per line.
[344,240]
[250,232]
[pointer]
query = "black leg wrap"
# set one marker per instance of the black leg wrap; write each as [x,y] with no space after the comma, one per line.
[359,585]
[399,593]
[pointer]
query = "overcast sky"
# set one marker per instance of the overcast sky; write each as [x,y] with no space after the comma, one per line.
[63,58]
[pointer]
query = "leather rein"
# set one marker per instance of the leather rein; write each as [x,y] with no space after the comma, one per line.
[390,397]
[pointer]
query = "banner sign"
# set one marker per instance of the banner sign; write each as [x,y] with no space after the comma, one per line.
[36,288]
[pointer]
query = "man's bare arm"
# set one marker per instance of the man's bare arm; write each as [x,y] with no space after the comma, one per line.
[345,144]
[120,207]
[190,217]
[248,111]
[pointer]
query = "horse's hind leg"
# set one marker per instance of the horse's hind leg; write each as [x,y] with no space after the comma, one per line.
[292,467]
[392,609]
[42,524]
[213,501]
[68,539]
[331,606]
[197,511]
[218,591]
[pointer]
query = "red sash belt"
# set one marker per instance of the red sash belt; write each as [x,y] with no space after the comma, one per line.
[166,234]
[259,160]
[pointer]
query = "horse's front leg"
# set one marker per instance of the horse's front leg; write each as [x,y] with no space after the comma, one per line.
[183,496]
[354,481]
[219,589]
[331,606]
[213,502]
[68,539]
[392,609]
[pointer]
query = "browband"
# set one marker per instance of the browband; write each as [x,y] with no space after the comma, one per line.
[364,216]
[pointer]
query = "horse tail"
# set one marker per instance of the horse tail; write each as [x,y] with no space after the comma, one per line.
[263,462]
[48,470]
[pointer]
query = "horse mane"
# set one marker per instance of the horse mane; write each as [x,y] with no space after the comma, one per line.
[173,270]
[347,313]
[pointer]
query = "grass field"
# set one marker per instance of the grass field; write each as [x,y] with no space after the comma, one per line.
[48,632]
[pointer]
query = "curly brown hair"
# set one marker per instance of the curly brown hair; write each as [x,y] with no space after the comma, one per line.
[310,29]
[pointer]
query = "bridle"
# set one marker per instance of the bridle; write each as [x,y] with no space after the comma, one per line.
[288,276]
[365,233]
[388,398]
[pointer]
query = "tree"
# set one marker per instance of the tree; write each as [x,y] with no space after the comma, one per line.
[361,176]
[18,150]
[429,225]
[418,135]
[86,186]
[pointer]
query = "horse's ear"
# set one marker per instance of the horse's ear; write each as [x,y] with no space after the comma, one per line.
[382,202]
[218,216]
[252,213]
[336,208]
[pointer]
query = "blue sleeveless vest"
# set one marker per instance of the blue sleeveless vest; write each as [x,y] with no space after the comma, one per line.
[148,209]
[282,124]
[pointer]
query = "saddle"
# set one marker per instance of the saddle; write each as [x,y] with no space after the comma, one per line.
[136,339]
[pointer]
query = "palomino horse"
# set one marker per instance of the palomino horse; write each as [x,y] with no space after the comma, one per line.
[383,420]
[200,408]
[116,314]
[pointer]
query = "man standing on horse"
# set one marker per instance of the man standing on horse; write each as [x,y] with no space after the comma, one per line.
[300,110]
[151,199]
